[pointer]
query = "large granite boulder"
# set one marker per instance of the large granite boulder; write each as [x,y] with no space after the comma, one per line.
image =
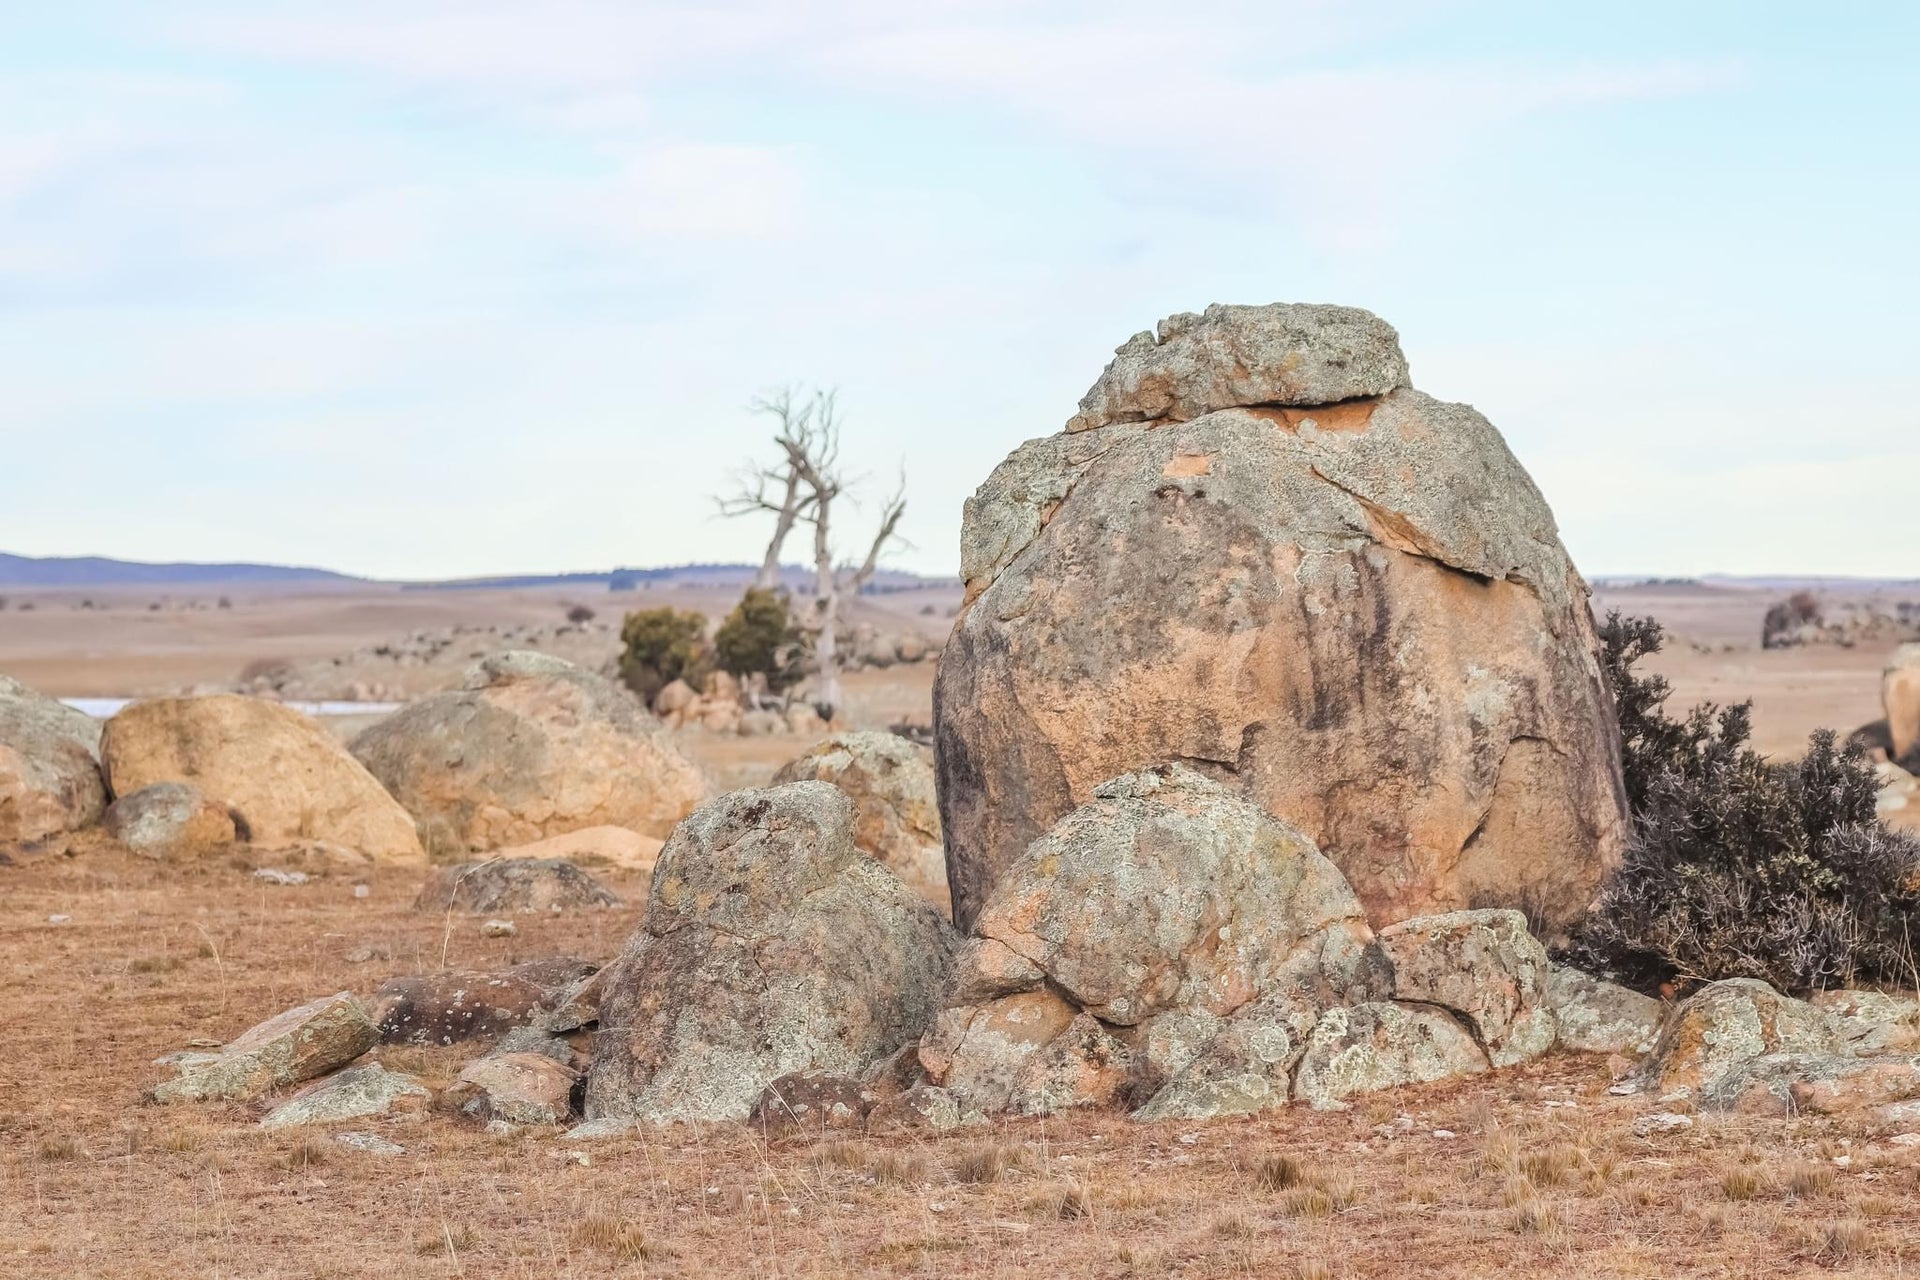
[771,944]
[1900,695]
[1258,552]
[532,747]
[1169,935]
[284,778]
[49,765]
[896,814]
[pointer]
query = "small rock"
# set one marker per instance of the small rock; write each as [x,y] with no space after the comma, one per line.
[57,919]
[604,1127]
[369,1090]
[498,929]
[1444,1134]
[171,820]
[1905,1139]
[515,1089]
[812,1102]
[286,1049]
[361,891]
[1661,1122]
[512,884]
[445,1008]
[371,1143]
[1594,1016]
[274,875]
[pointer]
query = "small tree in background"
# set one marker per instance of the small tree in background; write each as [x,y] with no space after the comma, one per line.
[659,646]
[1737,867]
[760,637]
[580,615]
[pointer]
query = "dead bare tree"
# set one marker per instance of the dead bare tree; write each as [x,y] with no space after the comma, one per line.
[809,481]
[778,489]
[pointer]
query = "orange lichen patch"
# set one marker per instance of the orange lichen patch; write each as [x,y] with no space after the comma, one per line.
[1188,465]
[1345,417]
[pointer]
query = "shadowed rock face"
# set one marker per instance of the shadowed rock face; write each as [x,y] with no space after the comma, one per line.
[49,767]
[1357,614]
[533,747]
[771,944]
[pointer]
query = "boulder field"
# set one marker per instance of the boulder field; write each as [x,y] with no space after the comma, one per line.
[1258,551]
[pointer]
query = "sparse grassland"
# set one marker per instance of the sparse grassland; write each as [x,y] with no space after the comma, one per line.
[94,1183]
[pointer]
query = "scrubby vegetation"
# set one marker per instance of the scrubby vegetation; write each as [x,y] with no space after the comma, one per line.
[1738,867]
[659,646]
[760,637]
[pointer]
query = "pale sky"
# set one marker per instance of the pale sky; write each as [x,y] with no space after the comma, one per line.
[423,289]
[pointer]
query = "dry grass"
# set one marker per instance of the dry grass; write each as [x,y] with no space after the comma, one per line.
[95,1183]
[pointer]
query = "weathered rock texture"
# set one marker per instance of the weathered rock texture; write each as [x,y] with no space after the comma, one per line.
[49,765]
[1168,936]
[533,747]
[1485,967]
[454,1005]
[1900,695]
[351,1094]
[1594,1016]
[896,815]
[1382,1046]
[512,884]
[515,1089]
[1731,1036]
[171,820]
[286,1049]
[771,944]
[1294,572]
[284,777]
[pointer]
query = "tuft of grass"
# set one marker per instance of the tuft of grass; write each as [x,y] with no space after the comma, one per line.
[1312,1271]
[179,1141]
[614,1235]
[303,1155]
[1807,1180]
[62,1146]
[903,1168]
[1307,1202]
[1876,1207]
[1499,1154]
[1065,1200]
[1550,1166]
[448,1241]
[1844,1239]
[1742,1183]
[1518,1191]
[984,1164]
[1535,1219]
[1232,1224]
[1277,1173]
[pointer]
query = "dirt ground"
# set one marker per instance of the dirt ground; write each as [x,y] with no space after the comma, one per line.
[1541,1176]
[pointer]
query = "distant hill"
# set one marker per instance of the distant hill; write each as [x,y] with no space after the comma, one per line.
[98,571]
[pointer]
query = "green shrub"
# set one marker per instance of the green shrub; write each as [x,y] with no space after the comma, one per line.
[1737,867]
[659,646]
[760,637]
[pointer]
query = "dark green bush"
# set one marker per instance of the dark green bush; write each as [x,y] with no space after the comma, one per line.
[659,646]
[760,637]
[1737,867]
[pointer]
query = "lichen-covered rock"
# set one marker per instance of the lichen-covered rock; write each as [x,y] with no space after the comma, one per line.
[1239,1067]
[171,820]
[350,1094]
[286,1049]
[896,815]
[770,945]
[1872,1021]
[1359,614]
[1382,1046]
[1280,354]
[812,1102]
[533,747]
[1710,1043]
[1482,965]
[284,777]
[1131,934]
[1900,695]
[512,884]
[515,1089]
[454,1005]
[49,766]
[1593,1016]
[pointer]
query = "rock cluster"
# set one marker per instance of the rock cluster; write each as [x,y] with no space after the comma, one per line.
[1257,551]
[771,944]
[49,766]
[1172,947]
[533,747]
[284,778]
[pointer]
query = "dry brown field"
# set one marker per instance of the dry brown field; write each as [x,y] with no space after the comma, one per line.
[1541,1176]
